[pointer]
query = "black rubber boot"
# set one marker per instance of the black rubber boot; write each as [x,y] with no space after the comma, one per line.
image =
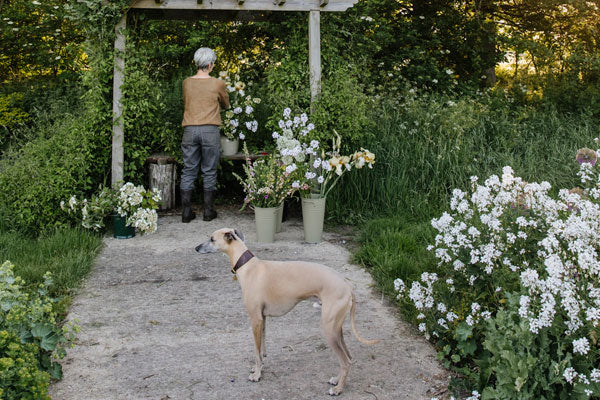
[186,201]
[209,202]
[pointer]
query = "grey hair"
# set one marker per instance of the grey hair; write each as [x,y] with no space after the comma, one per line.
[203,57]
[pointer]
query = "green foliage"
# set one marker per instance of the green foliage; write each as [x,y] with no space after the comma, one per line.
[427,144]
[30,317]
[20,377]
[37,176]
[524,365]
[38,40]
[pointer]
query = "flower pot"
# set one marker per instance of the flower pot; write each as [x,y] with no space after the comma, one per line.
[265,223]
[120,228]
[229,147]
[279,218]
[313,214]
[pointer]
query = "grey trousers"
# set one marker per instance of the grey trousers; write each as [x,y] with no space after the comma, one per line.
[200,147]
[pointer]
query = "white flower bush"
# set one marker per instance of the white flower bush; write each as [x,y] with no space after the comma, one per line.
[510,237]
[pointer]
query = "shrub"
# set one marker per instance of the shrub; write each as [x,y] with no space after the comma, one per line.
[28,328]
[37,176]
[511,242]
[20,377]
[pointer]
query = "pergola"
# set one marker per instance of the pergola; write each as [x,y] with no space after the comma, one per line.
[218,10]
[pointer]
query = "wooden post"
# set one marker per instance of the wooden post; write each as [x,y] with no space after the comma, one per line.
[118,73]
[314,55]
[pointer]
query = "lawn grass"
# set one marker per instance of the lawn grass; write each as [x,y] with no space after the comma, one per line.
[67,253]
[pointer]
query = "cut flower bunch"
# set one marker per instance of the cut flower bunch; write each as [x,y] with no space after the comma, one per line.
[316,169]
[267,183]
[515,303]
[136,203]
[239,120]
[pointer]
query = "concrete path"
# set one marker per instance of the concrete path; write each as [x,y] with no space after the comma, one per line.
[159,321]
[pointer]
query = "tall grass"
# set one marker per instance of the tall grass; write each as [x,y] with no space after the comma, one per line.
[68,254]
[428,145]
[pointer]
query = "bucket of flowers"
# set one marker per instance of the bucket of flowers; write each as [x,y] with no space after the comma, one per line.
[130,207]
[317,170]
[239,120]
[266,184]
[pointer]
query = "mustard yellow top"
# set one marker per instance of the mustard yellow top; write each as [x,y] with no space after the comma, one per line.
[202,98]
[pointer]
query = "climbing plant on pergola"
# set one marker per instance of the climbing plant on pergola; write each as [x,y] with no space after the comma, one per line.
[242,10]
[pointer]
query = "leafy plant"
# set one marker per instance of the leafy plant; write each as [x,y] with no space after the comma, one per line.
[30,317]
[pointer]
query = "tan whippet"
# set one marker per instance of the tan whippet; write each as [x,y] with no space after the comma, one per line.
[273,288]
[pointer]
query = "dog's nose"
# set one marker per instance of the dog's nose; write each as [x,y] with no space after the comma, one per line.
[198,248]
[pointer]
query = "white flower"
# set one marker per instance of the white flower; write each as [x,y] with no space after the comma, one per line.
[275,135]
[581,346]
[237,110]
[249,110]
[296,184]
[290,168]
[320,179]
[310,175]
[287,112]
[449,71]
[570,374]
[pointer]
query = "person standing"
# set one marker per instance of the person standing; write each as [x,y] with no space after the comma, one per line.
[203,97]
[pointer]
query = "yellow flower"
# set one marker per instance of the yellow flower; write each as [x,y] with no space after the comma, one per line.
[223,74]
[256,100]
[239,85]
[334,161]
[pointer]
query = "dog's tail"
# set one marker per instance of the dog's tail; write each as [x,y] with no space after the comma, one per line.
[352,311]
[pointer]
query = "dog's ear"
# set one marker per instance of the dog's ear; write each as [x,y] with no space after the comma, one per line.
[239,234]
[229,237]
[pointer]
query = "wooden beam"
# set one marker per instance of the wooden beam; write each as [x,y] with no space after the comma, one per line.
[118,125]
[314,55]
[250,5]
[193,15]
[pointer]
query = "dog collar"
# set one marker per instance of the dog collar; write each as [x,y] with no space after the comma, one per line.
[244,258]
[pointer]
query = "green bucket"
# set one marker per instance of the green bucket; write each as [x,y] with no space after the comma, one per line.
[120,229]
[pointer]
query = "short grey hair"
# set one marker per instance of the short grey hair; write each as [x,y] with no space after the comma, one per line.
[203,57]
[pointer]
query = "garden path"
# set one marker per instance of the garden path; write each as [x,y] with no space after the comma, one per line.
[159,321]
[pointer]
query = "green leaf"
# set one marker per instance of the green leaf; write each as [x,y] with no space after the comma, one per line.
[455,358]
[463,332]
[41,330]
[50,341]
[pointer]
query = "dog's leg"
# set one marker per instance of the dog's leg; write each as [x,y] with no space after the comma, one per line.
[332,322]
[257,329]
[263,337]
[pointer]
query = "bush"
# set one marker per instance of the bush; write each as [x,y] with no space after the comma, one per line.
[28,328]
[518,262]
[20,377]
[60,162]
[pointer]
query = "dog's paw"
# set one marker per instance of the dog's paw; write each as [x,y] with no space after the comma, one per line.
[333,381]
[335,391]
[254,377]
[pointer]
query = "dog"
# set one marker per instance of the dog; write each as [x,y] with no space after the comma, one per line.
[273,288]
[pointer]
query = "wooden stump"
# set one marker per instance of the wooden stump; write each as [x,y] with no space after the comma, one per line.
[163,175]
